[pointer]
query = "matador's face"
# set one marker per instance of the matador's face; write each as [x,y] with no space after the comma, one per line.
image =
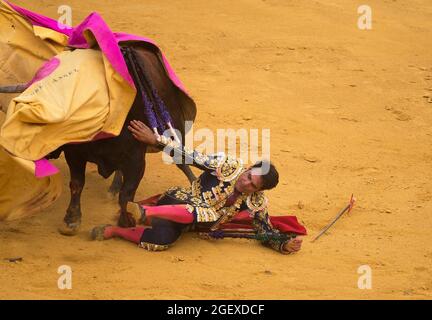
[249,182]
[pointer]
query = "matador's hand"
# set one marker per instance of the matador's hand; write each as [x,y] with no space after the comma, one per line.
[142,133]
[293,245]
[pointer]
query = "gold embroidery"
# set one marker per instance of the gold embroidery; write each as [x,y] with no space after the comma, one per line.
[171,189]
[207,197]
[196,201]
[219,205]
[256,201]
[206,214]
[181,195]
[216,160]
[190,208]
[208,206]
[217,192]
[227,213]
[196,188]
[153,247]
[230,169]
[230,189]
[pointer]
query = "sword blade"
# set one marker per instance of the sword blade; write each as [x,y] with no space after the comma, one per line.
[347,208]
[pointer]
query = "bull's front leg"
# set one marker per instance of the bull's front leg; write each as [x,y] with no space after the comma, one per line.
[180,162]
[187,171]
[133,172]
[72,219]
[116,184]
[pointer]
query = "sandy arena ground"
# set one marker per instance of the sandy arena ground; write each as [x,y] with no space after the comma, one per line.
[350,111]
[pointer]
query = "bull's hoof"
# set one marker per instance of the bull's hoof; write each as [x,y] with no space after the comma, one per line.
[126,220]
[70,229]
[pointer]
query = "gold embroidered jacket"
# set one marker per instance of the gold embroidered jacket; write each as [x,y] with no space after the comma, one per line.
[207,195]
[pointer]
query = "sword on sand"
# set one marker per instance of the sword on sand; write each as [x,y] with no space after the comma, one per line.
[347,208]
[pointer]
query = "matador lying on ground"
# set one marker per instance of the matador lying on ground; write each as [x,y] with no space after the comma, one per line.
[225,196]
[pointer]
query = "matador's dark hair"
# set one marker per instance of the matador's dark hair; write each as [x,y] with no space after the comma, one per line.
[269,174]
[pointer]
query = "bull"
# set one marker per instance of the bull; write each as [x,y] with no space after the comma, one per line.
[123,154]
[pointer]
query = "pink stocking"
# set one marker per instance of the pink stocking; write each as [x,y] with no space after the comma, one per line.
[176,212]
[130,234]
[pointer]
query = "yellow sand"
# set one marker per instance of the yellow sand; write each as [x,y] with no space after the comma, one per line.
[347,113]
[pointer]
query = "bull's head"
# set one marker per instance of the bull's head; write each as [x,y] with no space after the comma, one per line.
[11,89]
[19,88]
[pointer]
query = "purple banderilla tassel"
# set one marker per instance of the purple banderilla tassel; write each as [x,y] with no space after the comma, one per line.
[148,110]
[148,105]
[160,109]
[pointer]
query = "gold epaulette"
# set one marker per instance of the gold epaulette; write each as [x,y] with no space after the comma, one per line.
[256,201]
[230,169]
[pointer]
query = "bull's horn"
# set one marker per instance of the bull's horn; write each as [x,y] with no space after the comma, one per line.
[13,89]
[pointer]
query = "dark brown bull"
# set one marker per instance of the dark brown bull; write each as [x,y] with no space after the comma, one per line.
[123,154]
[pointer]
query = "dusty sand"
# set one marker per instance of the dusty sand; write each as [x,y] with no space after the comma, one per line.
[349,111]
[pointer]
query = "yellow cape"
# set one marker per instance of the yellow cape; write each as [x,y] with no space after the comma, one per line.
[82,97]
